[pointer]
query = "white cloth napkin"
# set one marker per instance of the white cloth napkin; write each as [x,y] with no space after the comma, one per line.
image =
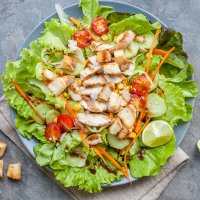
[148,188]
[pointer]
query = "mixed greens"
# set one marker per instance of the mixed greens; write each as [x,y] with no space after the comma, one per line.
[101,95]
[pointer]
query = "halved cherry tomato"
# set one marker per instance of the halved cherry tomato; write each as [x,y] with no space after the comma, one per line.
[83,38]
[65,122]
[100,26]
[53,132]
[140,85]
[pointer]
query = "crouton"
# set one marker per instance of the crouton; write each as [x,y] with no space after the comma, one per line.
[14,171]
[3,147]
[1,168]
[104,56]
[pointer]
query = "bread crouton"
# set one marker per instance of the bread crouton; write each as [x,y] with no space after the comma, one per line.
[3,147]
[14,171]
[1,168]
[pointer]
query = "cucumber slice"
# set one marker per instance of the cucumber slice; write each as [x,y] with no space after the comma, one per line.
[51,115]
[147,44]
[156,105]
[135,148]
[42,109]
[116,143]
[132,50]
[75,159]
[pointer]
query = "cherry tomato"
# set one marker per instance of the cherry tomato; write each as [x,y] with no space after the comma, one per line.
[52,132]
[140,85]
[83,38]
[65,122]
[100,26]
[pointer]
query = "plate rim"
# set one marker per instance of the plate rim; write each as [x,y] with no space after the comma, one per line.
[17,57]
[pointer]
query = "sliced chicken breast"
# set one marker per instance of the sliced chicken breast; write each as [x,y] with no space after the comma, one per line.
[98,46]
[104,56]
[114,79]
[94,81]
[106,92]
[94,119]
[120,56]
[59,84]
[49,74]
[125,95]
[123,134]
[92,105]
[93,92]
[114,103]
[124,39]
[69,63]
[93,60]
[127,116]
[123,102]
[90,71]
[94,139]
[111,69]
[115,127]
[74,91]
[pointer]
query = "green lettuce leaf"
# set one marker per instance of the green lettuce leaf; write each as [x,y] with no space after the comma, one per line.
[44,153]
[29,130]
[104,11]
[188,115]
[153,159]
[116,17]
[56,35]
[89,9]
[174,98]
[189,88]
[137,23]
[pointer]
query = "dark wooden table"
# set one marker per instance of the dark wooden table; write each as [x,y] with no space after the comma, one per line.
[19,17]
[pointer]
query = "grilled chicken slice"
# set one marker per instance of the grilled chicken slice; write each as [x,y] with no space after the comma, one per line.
[49,74]
[125,95]
[69,63]
[127,116]
[74,91]
[120,56]
[123,102]
[123,134]
[98,46]
[111,69]
[94,81]
[92,105]
[115,127]
[114,79]
[114,103]
[59,84]
[93,92]
[93,60]
[94,139]
[106,91]
[104,56]
[140,38]
[94,119]
[124,39]
[90,71]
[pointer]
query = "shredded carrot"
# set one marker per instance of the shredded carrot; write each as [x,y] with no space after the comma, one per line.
[75,21]
[160,93]
[151,50]
[22,93]
[37,100]
[70,110]
[30,121]
[132,142]
[98,153]
[161,63]
[94,37]
[107,155]
[83,138]
[159,52]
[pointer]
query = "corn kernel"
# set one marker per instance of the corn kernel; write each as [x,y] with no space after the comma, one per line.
[125,81]
[120,86]
[104,37]
[66,95]
[55,120]
[116,91]
[128,88]
[132,135]
[79,82]
[77,107]
[115,39]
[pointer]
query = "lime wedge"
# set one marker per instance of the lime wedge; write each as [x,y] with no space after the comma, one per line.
[198,145]
[157,133]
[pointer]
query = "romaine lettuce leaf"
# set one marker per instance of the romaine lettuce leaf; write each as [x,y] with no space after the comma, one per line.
[137,23]
[116,17]
[104,11]
[153,159]
[29,130]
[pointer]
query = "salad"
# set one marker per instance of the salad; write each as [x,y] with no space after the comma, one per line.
[101,95]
